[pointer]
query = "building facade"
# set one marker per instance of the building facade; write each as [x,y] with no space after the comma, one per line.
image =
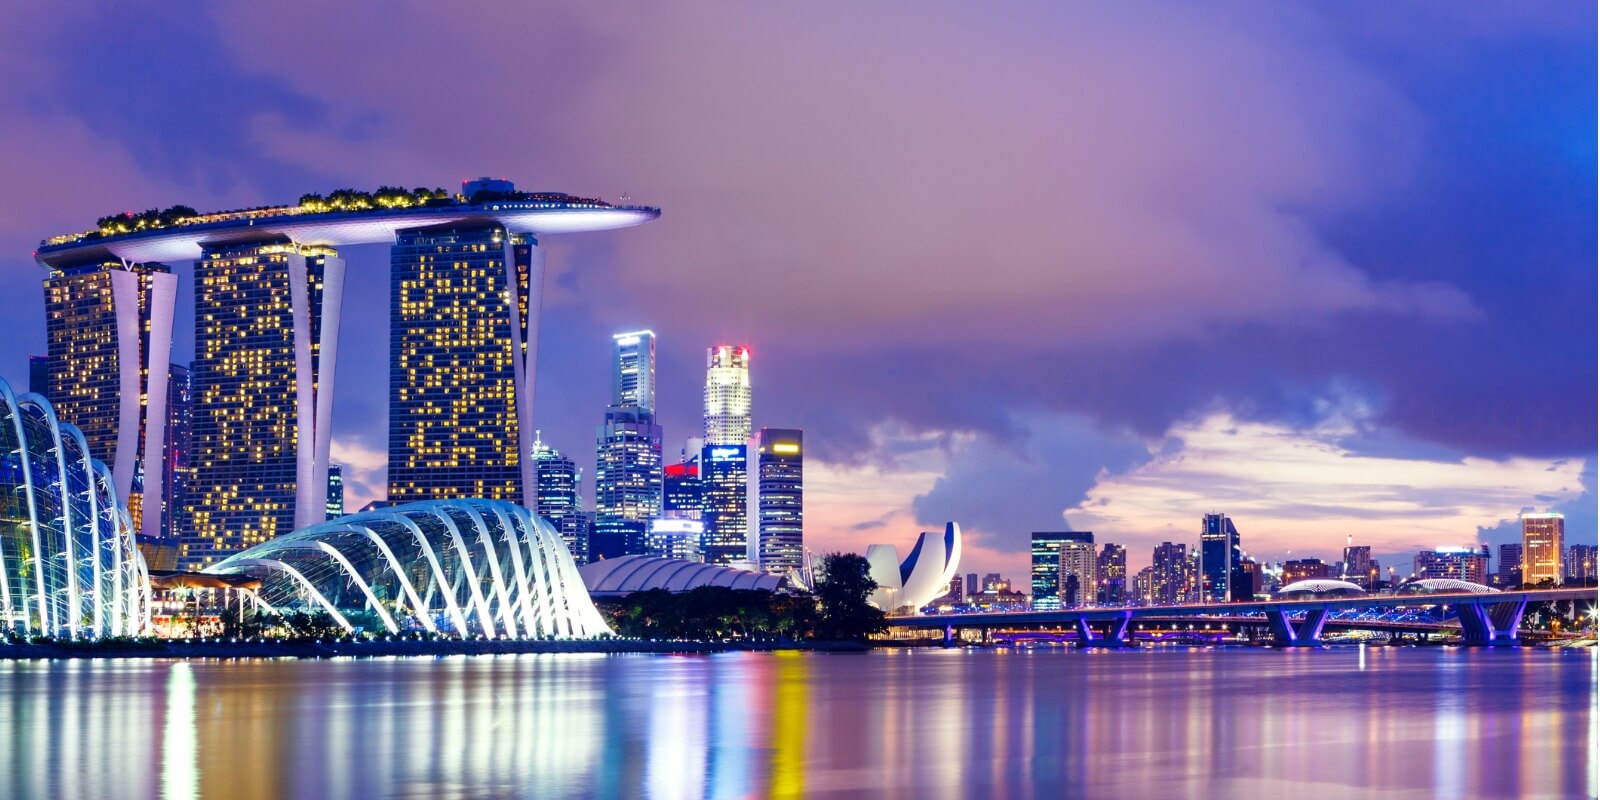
[1359,566]
[780,476]
[108,328]
[1581,564]
[1542,539]
[1048,567]
[1460,563]
[727,406]
[335,506]
[458,310]
[725,502]
[1508,571]
[177,462]
[1220,556]
[558,499]
[1112,565]
[1302,569]
[627,469]
[1172,575]
[266,319]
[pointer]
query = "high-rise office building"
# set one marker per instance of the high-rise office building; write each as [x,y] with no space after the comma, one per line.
[727,411]
[1359,566]
[675,538]
[780,507]
[458,349]
[1172,579]
[558,479]
[1219,558]
[973,586]
[266,327]
[1112,565]
[724,473]
[1542,536]
[1581,564]
[335,491]
[177,463]
[108,328]
[1047,566]
[627,470]
[1460,563]
[39,375]
[681,495]
[1508,570]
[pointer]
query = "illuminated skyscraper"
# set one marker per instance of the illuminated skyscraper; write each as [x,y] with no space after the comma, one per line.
[266,327]
[1112,566]
[1581,564]
[1048,557]
[458,327]
[108,327]
[335,504]
[724,472]
[780,500]
[1172,580]
[558,479]
[1359,567]
[178,463]
[727,413]
[682,496]
[1219,558]
[1542,536]
[1458,563]
[627,469]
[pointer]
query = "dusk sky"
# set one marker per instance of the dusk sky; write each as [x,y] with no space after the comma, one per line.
[1331,273]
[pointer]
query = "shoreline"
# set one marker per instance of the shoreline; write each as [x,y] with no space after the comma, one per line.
[380,649]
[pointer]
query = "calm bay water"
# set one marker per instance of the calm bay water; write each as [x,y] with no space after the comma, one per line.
[1165,723]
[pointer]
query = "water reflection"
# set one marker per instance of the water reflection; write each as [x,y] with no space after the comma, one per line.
[930,724]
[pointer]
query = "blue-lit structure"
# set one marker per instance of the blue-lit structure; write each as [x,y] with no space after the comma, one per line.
[463,568]
[69,565]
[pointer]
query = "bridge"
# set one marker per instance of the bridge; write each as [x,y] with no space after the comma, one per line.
[1486,620]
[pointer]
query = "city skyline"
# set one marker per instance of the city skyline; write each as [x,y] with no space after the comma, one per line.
[1351,368]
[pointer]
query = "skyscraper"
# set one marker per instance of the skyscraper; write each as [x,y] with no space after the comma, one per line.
[1171,579]
[1219,558]
[724,472]
[681,494]
[458,350]
[1112,567]
[1359,568]
[39,374]
[1581,564]
[558,501]
[1458,563]
[1542,536]
[335,507]
[108,328]
[627,469]
[266,327]
[1048,566]
[1508,571]
[178,461]
[724,460]
[780,475]
[727,412]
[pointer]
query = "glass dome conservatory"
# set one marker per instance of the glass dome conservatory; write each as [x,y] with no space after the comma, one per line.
[69,565]
[457,567]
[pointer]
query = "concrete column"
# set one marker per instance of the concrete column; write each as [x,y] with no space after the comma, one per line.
[158,365]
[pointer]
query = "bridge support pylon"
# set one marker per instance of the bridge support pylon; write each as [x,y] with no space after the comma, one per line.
[1490,624]
[1116,635]
[1286,634]
[949,636]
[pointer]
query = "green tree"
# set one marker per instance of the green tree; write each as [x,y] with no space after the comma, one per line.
[842,589]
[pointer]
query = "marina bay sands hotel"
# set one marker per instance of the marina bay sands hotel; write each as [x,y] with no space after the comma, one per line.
[466,287]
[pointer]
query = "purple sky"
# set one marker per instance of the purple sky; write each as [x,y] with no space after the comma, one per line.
[1330,274]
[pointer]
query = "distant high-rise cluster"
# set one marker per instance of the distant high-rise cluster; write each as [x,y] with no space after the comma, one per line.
[627,468]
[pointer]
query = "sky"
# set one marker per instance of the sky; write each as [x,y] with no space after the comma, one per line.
[1330,270]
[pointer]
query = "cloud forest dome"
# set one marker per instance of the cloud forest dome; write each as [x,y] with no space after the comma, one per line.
[69,564]
[462,568]
[341,218]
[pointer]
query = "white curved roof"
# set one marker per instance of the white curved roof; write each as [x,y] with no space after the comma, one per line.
[1322,586]
[1444,585]
[629,574]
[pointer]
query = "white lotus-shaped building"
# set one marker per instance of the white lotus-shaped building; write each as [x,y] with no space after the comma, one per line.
[69,565]
[463,568]
[923,576]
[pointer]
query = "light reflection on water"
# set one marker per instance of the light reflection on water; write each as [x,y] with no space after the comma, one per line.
[1391,722]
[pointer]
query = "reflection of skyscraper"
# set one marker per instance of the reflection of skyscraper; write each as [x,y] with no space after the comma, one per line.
[266,323]
[1219,558]
[779,474]
[557,477]
[109,332]
[1047,571]
[727,412]
[1542,536]
[627,468]
[457,317]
